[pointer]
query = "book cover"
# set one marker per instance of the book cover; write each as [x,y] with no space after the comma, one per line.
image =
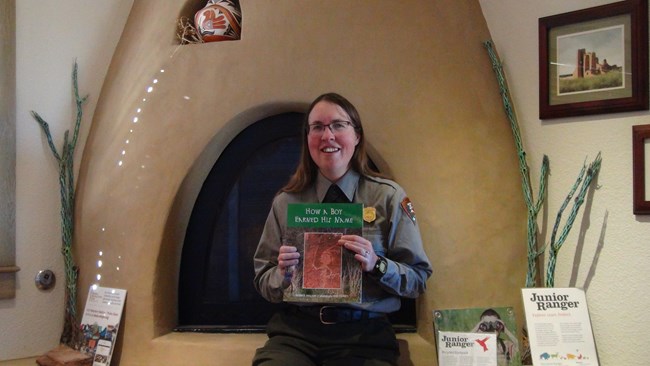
[327,272]
[101,321]
[559,327]
[499,321]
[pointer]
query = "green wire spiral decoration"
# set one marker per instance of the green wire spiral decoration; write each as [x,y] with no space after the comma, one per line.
[532,207]
[587,173]
[71,334]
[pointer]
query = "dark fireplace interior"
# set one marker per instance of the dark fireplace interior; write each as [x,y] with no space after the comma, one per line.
[216,292]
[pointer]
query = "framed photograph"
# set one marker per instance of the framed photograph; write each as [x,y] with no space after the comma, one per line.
[641,169]
[594,60]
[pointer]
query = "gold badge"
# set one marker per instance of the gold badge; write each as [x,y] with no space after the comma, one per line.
[369,214]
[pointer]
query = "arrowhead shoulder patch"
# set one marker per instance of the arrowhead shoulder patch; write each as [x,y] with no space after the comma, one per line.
[407,206]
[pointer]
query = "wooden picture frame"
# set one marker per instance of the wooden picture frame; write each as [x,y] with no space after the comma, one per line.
[594,60]
[640,175]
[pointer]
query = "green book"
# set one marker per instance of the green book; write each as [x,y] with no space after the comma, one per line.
[327,272]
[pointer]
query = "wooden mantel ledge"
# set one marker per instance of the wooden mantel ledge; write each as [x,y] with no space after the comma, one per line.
[9,269]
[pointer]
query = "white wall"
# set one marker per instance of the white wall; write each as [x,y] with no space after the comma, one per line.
[49,36]
[613,268]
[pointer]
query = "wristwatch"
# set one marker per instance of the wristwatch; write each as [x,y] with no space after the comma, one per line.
[381,266]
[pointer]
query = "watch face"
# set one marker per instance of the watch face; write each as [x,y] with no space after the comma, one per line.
[382,265]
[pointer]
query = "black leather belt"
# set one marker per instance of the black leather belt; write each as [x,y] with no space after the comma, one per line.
[337,314]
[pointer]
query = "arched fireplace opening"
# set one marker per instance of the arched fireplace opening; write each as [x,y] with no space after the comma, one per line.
[216,292]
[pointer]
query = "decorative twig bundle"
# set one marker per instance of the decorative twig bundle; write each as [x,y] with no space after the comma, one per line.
[187,33]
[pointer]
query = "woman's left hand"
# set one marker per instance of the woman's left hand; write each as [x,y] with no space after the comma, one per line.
[362,250]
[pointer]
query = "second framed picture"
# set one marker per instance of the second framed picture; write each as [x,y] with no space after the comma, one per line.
[594,60]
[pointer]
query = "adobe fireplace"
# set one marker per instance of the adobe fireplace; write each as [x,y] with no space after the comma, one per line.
[166,114]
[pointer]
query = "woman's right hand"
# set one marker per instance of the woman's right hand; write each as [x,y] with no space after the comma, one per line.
[288,258]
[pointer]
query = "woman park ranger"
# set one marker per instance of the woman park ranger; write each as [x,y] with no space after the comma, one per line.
[334,167]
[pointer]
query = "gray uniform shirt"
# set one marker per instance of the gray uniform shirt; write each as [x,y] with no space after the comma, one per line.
[394,234]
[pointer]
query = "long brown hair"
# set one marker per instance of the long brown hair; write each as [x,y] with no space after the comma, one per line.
[307,170]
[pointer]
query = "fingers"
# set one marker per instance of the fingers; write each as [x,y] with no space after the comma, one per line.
[363,250]
[288,249]
[288,257]
[358,245]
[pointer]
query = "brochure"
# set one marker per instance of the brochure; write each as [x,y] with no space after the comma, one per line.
[101,321]
[327,272]
[559,328]
[460,349]
[497,321]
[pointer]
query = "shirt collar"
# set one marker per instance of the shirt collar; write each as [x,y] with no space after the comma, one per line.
[347,183]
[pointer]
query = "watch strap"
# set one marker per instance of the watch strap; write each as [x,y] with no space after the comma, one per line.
[381,266]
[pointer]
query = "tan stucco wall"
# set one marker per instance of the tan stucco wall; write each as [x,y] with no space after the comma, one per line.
[422,81]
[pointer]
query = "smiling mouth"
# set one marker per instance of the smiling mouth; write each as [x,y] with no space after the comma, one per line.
[330,149]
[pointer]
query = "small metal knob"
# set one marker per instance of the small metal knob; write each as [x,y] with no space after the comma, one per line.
[45,279]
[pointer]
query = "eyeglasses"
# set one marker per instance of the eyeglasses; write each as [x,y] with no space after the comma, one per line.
[336,127]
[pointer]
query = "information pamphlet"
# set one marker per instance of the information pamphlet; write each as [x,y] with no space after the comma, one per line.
[101,321]
[559,327]
[467,349]
[327,272]
[497,321]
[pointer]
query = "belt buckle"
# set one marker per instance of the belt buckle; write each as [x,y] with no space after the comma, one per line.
[320,313]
